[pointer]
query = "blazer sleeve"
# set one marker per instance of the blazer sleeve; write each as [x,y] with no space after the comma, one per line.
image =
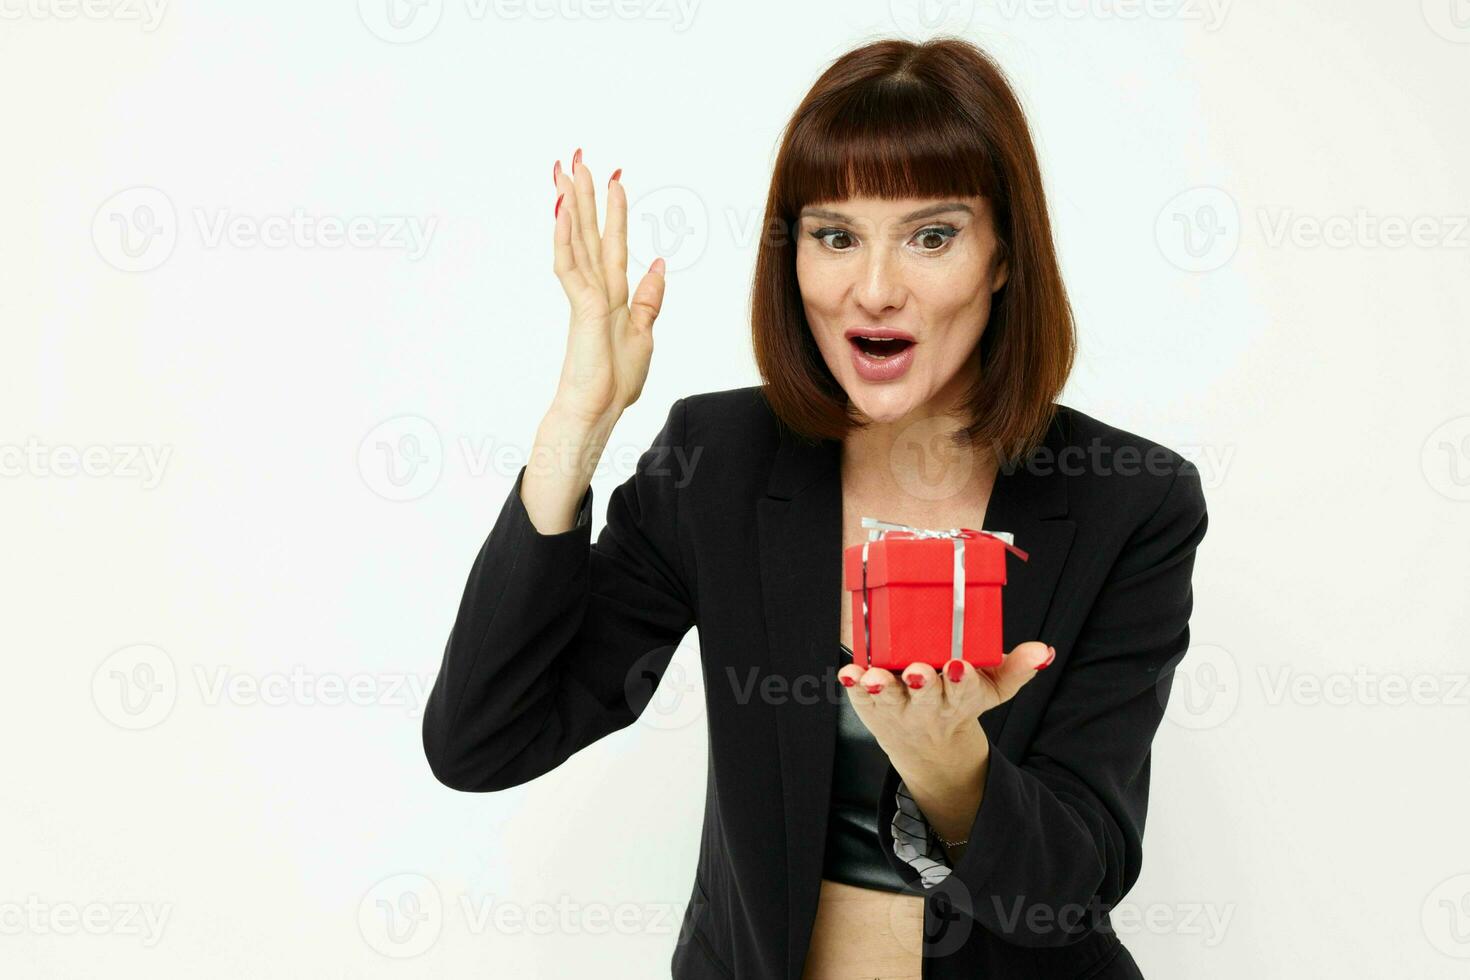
[1057,839]
[560,641]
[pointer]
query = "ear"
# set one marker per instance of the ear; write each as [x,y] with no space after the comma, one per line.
[1002,270]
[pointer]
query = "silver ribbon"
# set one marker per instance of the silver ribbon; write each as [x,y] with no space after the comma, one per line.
[876,530]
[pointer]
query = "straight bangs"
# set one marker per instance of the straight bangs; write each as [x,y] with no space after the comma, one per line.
[886,138]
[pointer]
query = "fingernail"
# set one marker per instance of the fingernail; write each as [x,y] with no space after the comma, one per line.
[1051,654]
[557,210]
[955,670]
[875,688]
[576,159]
[914,681]
[616,174]
[556,174]
[847,681]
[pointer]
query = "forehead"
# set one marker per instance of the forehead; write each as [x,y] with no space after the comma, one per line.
[881,209]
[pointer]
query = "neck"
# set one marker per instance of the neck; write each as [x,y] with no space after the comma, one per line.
[925,456]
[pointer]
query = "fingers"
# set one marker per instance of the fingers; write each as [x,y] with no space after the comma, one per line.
[880,688]
[924,685]
[648,298]
[958,684]
[615,243]
[918,684]
[1019,666]
[564,262]
[568,225]
[586,215]
[962,684]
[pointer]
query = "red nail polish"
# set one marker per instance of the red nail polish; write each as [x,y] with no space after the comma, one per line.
[1051,655]
[875,688]
[616,174]
[847,681]
[914,681]
[557,210]
[955,670]
[576,159]
[556,174]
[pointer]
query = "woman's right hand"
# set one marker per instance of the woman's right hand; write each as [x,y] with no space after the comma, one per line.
[609,339]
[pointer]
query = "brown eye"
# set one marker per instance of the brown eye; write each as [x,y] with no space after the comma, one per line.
[935,238]
[823,234]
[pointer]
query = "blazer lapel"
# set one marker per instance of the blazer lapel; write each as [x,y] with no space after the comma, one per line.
[799,532]
[1030,501]
[799,525]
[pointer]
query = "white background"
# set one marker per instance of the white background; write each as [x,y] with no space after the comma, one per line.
[332,430]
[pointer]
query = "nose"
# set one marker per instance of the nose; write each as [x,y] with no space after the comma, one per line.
[880,285]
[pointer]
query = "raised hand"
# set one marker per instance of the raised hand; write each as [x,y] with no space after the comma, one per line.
[609,339]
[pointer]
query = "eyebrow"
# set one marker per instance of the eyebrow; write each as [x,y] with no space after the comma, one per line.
[913,216]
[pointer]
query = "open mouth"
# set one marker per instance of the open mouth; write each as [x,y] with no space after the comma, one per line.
[880,348]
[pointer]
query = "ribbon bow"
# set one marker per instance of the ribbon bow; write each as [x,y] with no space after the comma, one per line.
[877,529]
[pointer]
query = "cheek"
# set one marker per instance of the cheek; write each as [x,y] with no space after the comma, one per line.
[821,291]
[958,290]
[952,301]
[814,281]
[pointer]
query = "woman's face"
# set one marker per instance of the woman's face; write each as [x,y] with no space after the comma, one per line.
[918,270]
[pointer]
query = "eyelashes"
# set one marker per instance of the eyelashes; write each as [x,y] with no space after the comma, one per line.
[944,232]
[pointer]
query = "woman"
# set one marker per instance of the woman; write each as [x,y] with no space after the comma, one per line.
[912,332]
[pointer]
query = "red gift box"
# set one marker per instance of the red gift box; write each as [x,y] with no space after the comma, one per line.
[916,591]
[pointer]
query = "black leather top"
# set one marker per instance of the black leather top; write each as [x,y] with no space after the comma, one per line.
[853,854]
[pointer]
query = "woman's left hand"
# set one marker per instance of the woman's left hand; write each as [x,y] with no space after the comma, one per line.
[924,718]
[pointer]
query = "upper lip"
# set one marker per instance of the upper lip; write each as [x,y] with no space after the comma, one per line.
[880,333]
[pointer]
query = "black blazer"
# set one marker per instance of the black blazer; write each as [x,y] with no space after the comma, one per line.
[731,523]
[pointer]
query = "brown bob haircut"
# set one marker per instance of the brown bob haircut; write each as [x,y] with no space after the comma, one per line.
[898,119]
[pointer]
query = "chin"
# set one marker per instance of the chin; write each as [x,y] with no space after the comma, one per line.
[882,407]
